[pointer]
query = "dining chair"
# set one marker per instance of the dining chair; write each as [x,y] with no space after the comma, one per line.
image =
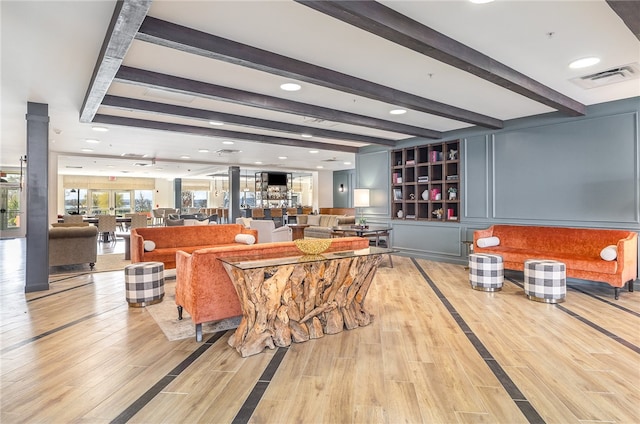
[158,217]
[291,214]
[107,225]
[138,220]
[257,213]
[276,215]
[72,219]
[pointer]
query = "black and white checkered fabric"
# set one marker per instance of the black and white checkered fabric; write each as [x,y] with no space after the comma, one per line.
[144,282]
[486,272]
[545,280]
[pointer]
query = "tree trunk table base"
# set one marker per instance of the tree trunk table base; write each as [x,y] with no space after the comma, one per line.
[296,302]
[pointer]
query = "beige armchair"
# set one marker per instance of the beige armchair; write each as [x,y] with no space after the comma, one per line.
[267,231]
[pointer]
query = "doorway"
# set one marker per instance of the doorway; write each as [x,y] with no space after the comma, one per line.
[12,222]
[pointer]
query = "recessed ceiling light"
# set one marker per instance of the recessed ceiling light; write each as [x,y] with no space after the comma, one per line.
[185,157]
[216,123]
[227,142]
[313,151]
[306,135]
[86,149]
[258,163]
[290,86]
[100,129]
[346,163]
[320,167]
[282,157]
[398,111]
[159,169]
[584,62]
[203,150]
[92,141]
[481,1]
[110,166]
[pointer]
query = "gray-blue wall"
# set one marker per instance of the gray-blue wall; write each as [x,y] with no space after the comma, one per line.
[545,170]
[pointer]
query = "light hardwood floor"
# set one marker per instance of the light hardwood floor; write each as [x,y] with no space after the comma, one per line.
[437,352]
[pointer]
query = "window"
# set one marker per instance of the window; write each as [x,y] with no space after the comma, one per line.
[143,200]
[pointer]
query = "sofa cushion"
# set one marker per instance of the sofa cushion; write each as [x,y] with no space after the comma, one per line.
[488,241]
[245,239]
[313,220]
[609,253]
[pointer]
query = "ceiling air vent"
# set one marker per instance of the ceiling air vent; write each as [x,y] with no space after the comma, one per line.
[221,152]
[610,76]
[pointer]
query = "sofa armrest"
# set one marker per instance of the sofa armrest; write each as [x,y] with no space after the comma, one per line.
[482,234]
[628,257]
[184,288]
[137,247]
[283,233]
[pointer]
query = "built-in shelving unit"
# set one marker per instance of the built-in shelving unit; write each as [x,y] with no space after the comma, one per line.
[425,180]
[273,189]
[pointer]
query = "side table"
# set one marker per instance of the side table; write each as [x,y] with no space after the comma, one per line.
[297,230]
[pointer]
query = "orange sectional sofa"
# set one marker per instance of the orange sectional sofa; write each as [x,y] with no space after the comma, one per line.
[204,289]
[169,240]
[578,248]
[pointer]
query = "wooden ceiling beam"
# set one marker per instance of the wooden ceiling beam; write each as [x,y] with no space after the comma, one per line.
[629,12]
[385,22]
[214,132]
[192,41]
[208,115]
[125,22]
[152,79]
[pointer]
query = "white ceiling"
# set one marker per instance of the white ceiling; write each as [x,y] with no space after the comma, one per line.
[50,49]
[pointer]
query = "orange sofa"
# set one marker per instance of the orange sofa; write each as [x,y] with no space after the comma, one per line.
[169,240]
[578,248]
[204,289]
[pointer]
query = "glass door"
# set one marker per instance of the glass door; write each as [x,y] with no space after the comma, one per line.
[11,216]
[110,202]
[122,201]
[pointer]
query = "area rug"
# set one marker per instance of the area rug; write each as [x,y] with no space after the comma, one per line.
[165,314]
[104,263]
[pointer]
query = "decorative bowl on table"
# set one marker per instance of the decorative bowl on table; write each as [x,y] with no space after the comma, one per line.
[312,246]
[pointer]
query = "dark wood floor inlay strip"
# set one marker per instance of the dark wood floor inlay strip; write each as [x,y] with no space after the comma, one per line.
[592,324]
[510,387]
[55,330]
[251,403]
[148,396]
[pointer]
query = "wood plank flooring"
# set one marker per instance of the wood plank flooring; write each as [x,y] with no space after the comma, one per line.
[437,352]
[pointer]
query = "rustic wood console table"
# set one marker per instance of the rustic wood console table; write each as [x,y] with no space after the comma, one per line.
[294,299]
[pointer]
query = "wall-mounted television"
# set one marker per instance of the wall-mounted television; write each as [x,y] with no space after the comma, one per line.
[277,179]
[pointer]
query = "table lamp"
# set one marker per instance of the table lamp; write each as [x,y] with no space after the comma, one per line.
[361,200]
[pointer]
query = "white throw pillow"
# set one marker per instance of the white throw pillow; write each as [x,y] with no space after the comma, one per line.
[488,241]
[149,246]
[609,253]
[313,220]
[245,238]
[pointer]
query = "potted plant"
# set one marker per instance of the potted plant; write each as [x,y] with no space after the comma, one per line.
[453,193]
[438,213]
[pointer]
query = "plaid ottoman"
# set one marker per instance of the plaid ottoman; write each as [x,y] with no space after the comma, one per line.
[486,272]
[545,280]
[144,283]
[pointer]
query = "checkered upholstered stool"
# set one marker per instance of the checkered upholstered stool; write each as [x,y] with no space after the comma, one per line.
[486,272]
[545,280]
[144,283]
